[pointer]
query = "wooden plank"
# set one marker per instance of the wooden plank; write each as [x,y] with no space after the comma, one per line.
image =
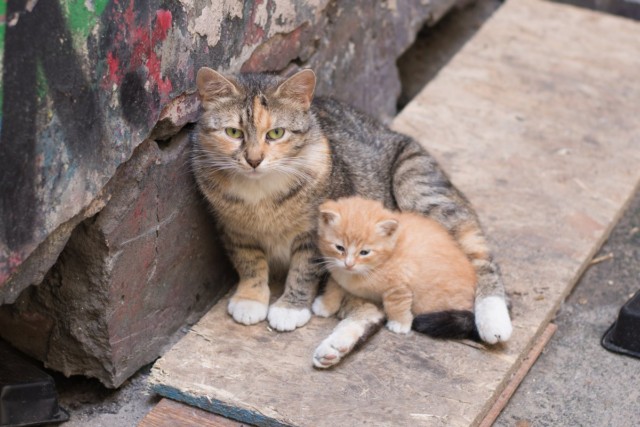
[519,375]
[169,413]
[536,120]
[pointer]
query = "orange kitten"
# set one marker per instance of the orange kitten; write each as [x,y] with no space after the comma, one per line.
[405,261]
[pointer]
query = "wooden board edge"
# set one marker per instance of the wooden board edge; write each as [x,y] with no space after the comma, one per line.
[551,313]
[217,407]
[525,365]
[169,413]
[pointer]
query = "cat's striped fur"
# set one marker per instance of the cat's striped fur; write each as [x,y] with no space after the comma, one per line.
[265,194]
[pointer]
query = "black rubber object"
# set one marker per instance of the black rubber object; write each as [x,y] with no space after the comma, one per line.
[624,335]
[27,394]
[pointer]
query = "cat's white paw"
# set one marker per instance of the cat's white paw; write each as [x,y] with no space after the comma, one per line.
[247,312]
[288,318]
[326,355]
[320,309]
[398,328]
[492,320]
[337,345]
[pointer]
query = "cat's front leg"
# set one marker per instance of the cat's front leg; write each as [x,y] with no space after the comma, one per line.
[292,309]
[361,319]
[397,306]
[328,304]
[250,302]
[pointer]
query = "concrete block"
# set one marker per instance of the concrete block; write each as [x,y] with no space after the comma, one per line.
[129,277]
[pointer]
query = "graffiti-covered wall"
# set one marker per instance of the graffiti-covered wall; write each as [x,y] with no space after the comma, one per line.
[84,82]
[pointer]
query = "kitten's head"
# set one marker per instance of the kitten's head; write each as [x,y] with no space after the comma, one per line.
[356,235]
[254,124]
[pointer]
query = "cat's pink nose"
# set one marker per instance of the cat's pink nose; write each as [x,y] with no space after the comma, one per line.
[254,163]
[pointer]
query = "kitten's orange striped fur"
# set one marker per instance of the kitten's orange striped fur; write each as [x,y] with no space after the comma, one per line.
[405,261]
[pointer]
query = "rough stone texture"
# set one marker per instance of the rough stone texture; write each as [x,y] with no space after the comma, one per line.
[129,277]
[84,83]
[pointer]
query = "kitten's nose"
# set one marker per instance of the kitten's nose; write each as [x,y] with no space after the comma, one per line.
[254,163]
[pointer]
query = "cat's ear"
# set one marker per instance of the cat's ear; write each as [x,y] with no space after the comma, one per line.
[329,217]
[299,88]
[213,86]
[387,227]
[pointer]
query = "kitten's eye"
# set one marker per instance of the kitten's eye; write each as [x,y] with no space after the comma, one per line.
[365,252]
[234,133]
[340,248]
[274,134]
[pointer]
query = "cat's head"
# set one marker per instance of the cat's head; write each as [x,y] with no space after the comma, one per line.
[356,235]
[254,124]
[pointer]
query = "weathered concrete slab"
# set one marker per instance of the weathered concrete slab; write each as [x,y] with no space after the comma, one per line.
[536,121]
[82,84]
[129,277]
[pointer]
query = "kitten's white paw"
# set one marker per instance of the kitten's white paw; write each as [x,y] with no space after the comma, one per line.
[337,345]
[286,318]
[319,309]
[247,312]
[492,320]
[398,328]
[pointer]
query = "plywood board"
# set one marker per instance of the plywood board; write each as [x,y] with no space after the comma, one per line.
[537,120]
[169,413]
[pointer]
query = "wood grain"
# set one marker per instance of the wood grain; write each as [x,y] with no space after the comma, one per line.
[168,413]
[536,119]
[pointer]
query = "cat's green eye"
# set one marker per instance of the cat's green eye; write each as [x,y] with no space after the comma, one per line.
[234,133]
[340,248]
[364,252]
[275,133]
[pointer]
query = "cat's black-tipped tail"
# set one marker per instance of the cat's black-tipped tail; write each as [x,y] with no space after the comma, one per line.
[453,324]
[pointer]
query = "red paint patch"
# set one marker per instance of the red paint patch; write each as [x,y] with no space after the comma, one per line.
[278,51]
[163,24]
[15,259]
[254,33]
[9,263]
[141,45]
[114,67]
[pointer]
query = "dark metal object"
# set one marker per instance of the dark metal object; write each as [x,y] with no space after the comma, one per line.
[624,335]
[27,394]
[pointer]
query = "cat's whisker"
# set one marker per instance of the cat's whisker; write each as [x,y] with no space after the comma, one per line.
[326,263]
[299,176]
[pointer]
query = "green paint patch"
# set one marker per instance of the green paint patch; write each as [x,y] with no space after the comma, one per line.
[41,82]
[3,23]
[82,15]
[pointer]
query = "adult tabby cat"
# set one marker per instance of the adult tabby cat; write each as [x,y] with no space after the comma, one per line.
[403,260]
[265,156]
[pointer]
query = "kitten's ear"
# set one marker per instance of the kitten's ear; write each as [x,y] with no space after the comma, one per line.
[387,227]
[213,86]
[299,88]
[329,217]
